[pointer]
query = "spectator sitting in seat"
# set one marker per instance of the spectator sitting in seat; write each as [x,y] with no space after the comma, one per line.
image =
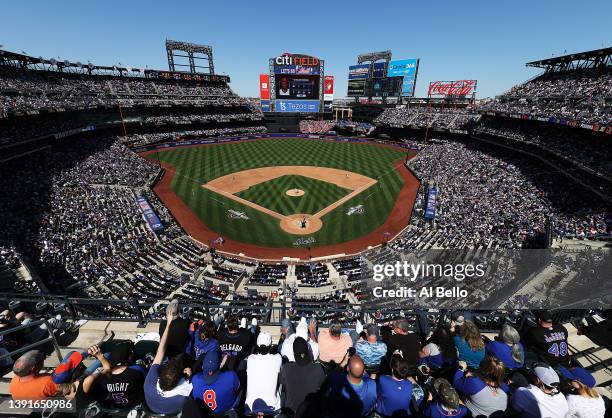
[333,345]
[507,348]
[371,350]
[484,390]
[75,382]
[124,385]
[263,368]
[582,400]
[548,340]
[300,380]
[218,390]
[166,387]
[350,394]
[235,343]
[542,397]
[469,345]
[204,340]
[178,337]
[28,383]
[446,403]
[440,350]
[402,341]
[392,390]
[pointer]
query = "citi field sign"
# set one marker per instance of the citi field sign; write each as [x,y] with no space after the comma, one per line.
[296,59]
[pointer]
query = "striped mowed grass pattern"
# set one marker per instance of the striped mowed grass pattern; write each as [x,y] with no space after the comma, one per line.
[196,165]
[272,195]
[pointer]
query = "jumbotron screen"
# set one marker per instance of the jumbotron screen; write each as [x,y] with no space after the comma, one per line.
[297,87]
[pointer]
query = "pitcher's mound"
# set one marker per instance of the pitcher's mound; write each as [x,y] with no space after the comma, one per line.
[300,224]
[295,192]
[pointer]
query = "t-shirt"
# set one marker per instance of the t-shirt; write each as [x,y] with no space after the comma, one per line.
[550,344]
[408,344]
[178,336]
[465,353]
[286,349]
[371,353]
[435,409]
[155,400]
[393,396]
[435,359]
[298,382]
[348,400]
[220,395]
[583,407]
[262,382]
[32,388]
[125,389]
[331,348]
[503,352]
[480,398]
[531,402]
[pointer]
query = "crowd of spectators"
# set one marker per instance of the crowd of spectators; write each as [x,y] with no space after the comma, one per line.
[428,117]
[489,198]
[578,145]
[230,368]
[315,126]
[138,140]
[582,95]
[33,90]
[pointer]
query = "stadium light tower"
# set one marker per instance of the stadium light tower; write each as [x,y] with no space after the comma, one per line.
[196,54]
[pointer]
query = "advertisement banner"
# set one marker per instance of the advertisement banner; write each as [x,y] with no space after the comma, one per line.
[264,86]
[149,214]
[296,69]
[328,90]
[404,68]
[360,71]
[430,208]
[327,106]
[265,105]
[460,88]
[296,105]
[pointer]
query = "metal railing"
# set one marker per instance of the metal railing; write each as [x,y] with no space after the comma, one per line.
[50,339]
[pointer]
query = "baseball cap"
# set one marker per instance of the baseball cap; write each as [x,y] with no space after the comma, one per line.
[64,371]
[547,375]
[210,366]
[300,351]
[579,374]
[448,394]
[544,315]
[120,353]
[264,338]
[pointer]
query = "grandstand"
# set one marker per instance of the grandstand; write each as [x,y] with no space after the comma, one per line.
[90,252]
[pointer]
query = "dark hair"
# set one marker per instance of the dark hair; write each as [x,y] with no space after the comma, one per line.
[232,322]
[208,331]
[443,338]
[263,349]
[171,373]
[399,367]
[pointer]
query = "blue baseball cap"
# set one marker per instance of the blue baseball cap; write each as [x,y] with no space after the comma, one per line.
[210,366]
[579,374]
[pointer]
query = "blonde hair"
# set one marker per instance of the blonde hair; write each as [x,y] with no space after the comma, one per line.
[585,390]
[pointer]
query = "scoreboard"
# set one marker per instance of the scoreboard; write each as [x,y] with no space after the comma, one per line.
[394,78]
[296,83]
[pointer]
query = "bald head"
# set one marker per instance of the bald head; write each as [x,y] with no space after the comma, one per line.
[356,367]
[29,363]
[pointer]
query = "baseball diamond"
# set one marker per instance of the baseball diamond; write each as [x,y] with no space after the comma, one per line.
[202,182]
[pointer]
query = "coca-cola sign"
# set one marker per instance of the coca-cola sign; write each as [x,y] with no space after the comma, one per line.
[452,88]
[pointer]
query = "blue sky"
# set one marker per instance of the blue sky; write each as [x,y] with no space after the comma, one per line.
[485,40]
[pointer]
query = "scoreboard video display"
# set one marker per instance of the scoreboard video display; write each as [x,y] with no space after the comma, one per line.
[296,84]
[383,79]
[297,87]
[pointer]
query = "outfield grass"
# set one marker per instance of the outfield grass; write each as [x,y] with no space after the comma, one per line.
[272,195]
[197,165]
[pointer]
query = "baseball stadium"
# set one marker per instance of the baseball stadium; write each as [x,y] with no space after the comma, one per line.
[305,223]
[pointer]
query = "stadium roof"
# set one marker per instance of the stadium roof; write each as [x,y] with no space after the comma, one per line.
[587,59]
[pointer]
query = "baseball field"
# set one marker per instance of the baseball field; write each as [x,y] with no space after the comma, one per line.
[286,192]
